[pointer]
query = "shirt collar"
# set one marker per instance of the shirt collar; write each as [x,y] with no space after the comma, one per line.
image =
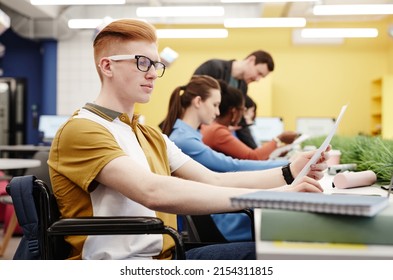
[111,115]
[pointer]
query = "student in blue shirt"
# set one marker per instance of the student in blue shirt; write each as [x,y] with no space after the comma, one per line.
[187,111]
[186,114]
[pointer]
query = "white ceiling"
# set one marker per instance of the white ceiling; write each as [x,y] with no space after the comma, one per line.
[31,20]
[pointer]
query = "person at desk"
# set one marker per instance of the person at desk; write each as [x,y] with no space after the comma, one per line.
[187,112]
[196,104]
[220,138]
[119,167]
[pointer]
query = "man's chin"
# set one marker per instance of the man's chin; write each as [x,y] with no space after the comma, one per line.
[145,99]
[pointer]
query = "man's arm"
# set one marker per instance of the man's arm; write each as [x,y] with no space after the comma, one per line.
[166,193]
[203,192]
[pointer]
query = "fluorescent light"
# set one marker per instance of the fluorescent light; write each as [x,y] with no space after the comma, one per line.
[84,23]
[264,22]
[192,33]
[265,1]
[77,2]
[297,39]
[178,11]
[5,23]
[377,9]
[339,32]
[161,33]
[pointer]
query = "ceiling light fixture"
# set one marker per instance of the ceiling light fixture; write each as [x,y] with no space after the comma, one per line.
[5,22]
[265,1]
[192,33]
[77,2]
[339,33]
[181,11]
[297,39]
[376,9]
[90,23]
[264,22]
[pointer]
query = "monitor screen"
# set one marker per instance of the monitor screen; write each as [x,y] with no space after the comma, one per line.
[266,128]
[49,124]
[314,127]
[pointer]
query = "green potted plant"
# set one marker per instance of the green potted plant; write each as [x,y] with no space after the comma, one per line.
[368,152]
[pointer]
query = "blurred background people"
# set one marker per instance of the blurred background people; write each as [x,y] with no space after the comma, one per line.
[190,106]
[219,137]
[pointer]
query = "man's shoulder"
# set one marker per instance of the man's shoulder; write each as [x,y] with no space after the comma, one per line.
[217,68]
[216,62]
[82,125]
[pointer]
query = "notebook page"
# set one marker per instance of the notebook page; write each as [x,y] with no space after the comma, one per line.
[322,148]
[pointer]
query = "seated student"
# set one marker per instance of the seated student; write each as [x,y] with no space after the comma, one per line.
[249,115]
[103,162]
[250,111]
[191,106]
[187,111]
[219,137]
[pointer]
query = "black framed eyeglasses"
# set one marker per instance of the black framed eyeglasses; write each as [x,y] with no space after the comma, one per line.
[143,63]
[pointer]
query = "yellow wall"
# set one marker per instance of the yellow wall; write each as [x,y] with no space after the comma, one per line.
[390,58]
[309,80]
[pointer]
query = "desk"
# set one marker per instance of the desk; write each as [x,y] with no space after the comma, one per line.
[23,148]
[281,250]
[274,250]
[16,163]
[7,164]
[6,150]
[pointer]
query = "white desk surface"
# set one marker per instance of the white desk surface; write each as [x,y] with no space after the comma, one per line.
[16,163]
[23,148]
[272,250]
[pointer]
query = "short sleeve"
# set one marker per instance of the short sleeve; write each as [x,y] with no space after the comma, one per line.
[81,149]
[176,157]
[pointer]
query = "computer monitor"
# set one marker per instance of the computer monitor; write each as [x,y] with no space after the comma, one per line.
[49,124]
[266,128]
[314,126]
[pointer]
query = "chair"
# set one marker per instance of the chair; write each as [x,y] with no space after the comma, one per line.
[52,229]
[12,224]
[202,228]
[41,172]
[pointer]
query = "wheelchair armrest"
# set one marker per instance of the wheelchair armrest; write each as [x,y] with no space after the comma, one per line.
[105,225]
[116,226]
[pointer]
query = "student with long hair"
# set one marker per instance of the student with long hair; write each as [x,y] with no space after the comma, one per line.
[197,103]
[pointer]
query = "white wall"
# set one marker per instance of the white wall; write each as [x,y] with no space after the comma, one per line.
[77,78]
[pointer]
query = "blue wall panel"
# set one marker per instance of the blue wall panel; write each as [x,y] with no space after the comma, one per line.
[35,61]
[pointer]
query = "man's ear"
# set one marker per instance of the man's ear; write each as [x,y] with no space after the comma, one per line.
[105,66]
[251,59]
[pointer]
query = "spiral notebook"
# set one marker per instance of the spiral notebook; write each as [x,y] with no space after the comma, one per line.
[345,204]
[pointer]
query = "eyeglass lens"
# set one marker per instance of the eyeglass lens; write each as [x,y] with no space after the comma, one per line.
[144,63]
